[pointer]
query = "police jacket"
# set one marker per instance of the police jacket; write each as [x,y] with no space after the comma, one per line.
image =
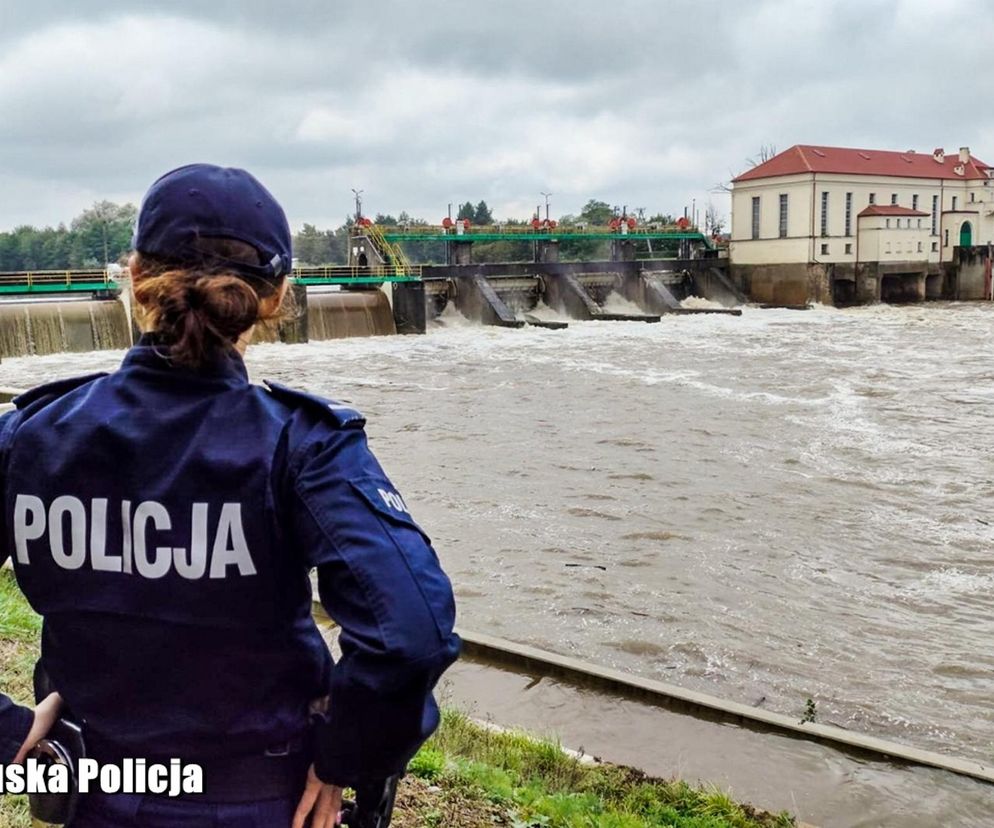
[164,523]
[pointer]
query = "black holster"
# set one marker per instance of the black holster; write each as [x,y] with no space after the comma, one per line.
[373,806]
[62,745]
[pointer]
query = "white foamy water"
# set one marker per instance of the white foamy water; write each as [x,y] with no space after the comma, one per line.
[778,506]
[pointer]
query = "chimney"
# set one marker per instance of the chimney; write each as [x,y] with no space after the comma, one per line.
[939,154]
[964,155]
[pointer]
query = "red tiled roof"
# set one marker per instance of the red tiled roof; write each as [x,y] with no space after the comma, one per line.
[803,158]
[889,210]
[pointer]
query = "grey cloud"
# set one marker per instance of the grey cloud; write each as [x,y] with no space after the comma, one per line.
[422,103]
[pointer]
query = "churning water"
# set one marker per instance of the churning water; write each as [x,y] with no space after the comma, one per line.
[769,508]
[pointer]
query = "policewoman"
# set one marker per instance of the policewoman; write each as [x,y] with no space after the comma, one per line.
[164,519]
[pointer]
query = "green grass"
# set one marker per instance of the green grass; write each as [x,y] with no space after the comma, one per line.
[541,785]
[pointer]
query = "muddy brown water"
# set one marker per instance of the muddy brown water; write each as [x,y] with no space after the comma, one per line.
[776,507]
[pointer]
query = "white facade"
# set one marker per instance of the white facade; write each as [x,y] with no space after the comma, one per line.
[822,223]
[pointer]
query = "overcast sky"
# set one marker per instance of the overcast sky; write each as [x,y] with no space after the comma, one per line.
[646,103]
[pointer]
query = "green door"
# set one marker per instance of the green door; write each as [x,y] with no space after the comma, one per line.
[965,235]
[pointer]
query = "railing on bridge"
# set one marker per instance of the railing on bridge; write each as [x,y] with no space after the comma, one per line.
[57,281]
[517,232]
[100,281]
[346,274]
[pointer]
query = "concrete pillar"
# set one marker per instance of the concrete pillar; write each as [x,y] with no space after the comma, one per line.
[622,250]
[461,252]
[293,329]
[409,313]
[547,251]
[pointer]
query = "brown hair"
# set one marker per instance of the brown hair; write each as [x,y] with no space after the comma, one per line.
[198,312]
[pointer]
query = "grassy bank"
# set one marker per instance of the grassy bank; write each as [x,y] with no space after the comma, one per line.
[466,776]
[481,776]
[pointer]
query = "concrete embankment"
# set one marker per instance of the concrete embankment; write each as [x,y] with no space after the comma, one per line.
[825,775]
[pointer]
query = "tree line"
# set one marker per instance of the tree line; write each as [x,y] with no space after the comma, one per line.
[102,234]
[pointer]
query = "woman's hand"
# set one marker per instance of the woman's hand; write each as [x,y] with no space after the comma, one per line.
[320,801]
[46,715]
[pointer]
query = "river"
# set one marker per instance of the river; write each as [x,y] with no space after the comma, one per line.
[770,508]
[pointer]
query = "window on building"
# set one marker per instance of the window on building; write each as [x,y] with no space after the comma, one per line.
[848,214]
[919,223]
[955,200]
[945,238]
[848,249]
[919,247]
[824,212]
[783,215]
[893,198]
[973,196]
[873,198]
[935,215]
[887,223]
[824,250]
[914,201]
[755,217]
[935,247]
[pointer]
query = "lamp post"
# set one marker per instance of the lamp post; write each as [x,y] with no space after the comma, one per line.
[358,203]
[546,204]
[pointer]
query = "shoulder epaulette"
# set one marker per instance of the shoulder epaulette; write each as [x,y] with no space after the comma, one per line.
[342,415]
[54,390]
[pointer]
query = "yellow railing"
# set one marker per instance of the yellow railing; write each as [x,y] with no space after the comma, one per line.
[351,272]
[392,252]
[53,277]
[512,229]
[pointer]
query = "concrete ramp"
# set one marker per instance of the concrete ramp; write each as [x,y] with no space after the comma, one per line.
[652,293]
[715,285]
[476,299]
[565,293]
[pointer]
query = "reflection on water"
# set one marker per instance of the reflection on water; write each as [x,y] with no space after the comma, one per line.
[779,506]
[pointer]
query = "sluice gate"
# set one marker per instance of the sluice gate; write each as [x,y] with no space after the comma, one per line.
[508,294]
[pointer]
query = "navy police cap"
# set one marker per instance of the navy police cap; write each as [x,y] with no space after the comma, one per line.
[203,201]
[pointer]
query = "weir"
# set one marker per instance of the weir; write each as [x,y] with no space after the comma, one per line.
[505,293]
[381,293]
[47,327]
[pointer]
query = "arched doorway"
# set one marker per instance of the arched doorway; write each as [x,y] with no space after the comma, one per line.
[965,234]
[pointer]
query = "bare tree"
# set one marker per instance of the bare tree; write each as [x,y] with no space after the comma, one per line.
[766,152]
[714,223]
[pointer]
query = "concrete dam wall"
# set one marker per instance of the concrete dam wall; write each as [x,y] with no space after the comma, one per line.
[38,328]
[34,328]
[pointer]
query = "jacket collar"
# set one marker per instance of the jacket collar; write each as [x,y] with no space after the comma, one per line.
[149,352]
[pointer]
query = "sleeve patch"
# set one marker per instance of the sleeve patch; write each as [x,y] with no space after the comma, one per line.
[385,500]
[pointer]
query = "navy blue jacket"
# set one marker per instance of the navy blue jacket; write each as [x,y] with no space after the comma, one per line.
[164,524]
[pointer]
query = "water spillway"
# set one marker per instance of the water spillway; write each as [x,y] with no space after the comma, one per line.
[346,313]
[43,327]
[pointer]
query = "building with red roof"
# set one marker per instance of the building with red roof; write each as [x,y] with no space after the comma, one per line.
[840,224]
